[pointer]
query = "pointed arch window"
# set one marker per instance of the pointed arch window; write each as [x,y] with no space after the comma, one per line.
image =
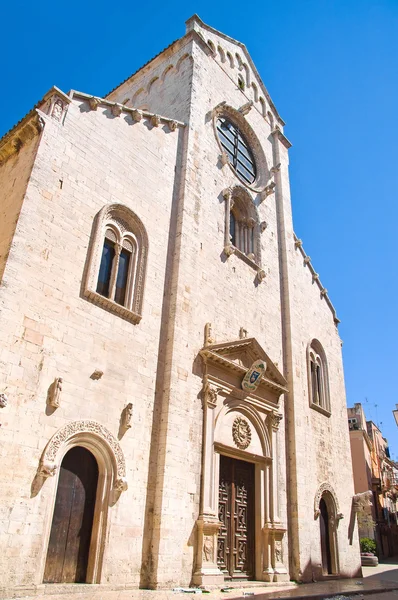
[117,262]
[318,381]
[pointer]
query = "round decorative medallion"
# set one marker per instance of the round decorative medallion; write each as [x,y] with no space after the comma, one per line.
[241,433]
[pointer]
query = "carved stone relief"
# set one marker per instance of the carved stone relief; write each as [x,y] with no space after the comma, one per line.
[278,551]
[3,400]
[275,419]
[241,433]
[210,395]
[326,487]
[128,415]
[54,392]
[49,462]
[208,547]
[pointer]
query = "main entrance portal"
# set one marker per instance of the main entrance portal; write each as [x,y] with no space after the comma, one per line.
[235,553]
[68,548]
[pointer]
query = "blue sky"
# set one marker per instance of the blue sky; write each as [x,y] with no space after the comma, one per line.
[331,69]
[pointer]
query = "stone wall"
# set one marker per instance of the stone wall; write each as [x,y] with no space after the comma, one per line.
[14,176]
[49,330]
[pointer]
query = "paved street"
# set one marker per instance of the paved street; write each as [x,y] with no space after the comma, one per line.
[378,583]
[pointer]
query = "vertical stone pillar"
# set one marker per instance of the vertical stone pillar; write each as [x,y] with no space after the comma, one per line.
[275,420]
[208,525]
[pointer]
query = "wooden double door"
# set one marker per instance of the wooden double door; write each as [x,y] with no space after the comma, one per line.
[70,537]
[235,551]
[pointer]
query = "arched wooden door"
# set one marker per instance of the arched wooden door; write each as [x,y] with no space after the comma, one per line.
[325,538]
[69,545]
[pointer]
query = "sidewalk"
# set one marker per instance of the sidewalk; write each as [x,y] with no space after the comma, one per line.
[376,580]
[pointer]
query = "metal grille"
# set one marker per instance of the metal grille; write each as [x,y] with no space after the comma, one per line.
[237,149]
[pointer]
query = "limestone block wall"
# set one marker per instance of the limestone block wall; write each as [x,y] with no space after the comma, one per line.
[14,177]
[208,287]
[49,330]
[322,442]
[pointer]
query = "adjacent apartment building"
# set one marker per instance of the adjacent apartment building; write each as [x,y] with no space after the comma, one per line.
[374,471]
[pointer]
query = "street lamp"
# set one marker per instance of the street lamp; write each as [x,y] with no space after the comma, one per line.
[395,413]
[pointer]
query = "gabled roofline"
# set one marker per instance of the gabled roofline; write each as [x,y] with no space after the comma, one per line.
[190,24]
[190,35]
[298,244]
[27,127]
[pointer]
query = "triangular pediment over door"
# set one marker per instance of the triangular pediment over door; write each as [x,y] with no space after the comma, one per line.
[230,361]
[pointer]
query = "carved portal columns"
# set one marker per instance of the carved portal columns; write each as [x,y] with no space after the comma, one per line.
[273,531]
[208,524]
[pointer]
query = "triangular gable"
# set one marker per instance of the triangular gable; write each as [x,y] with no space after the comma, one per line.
[239,355]
[195,23]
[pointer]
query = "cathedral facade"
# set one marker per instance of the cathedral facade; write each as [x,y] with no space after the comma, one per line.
[171,380]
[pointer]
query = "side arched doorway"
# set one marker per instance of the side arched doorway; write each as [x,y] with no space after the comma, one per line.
[328,534]
[72,523]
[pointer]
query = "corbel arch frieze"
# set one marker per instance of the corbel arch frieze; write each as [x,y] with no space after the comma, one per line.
[74,431]
[326,490]
[238,406]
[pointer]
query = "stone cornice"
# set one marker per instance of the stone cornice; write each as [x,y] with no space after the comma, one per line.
[315,277]
[118,109]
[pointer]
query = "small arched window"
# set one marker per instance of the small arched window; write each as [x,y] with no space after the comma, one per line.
[318,381]
[241,224]
[117,262]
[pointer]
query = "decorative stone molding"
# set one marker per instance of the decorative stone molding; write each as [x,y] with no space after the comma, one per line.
[242,333]
[50,459]
[224,160]
[116,110]
[246,108]
[129,226]
[326,488]
[54,392]
[268,190]
[57,109]
[229,249]
[48,469]
[275,168]
[121,484]
[155,120]
[275,419]
[253,375]
[307,262]
[208,335]
[362,501]
[127,415]
[3,400]
[315,276]
[241,433]
[261,275]
[94,103]
[210,395]
[136,115]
